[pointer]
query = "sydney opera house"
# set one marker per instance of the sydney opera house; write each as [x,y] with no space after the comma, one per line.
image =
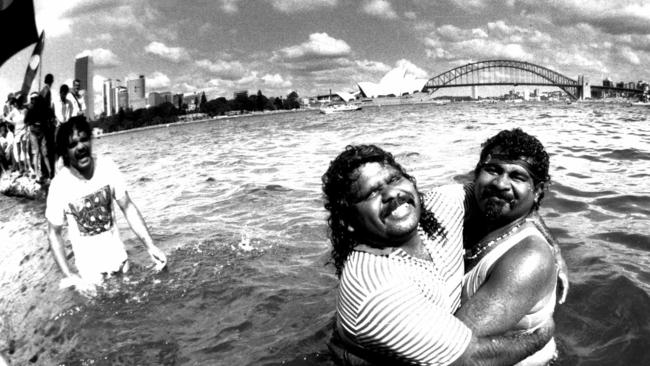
[395,83]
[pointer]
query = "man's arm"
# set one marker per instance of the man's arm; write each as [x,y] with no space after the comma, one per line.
[137,224]
[563,273]
[57,247]
[518,281]
[505,350]
[58,251]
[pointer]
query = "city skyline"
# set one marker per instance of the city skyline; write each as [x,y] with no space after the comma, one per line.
[312,46]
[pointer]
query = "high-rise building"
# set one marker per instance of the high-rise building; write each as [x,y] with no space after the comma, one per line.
[108,98]
[122,98]
[135,89]
[83,70]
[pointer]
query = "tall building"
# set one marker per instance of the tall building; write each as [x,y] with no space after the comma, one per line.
[83,70]
[122,98]
[108,98]
[135,89]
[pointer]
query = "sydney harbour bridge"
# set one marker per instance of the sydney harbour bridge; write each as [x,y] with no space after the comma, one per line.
[510,72]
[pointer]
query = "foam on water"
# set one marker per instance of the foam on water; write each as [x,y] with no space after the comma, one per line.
[236,205]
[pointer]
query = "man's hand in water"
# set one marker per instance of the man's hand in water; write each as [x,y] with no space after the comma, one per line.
[158,257]
[85,288]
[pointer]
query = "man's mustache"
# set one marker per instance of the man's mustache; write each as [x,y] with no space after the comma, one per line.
[490,192]
[396,202]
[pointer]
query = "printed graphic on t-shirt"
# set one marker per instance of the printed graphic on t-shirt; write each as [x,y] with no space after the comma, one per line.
[94,212]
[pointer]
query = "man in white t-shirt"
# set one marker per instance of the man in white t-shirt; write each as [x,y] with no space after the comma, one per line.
[82,194]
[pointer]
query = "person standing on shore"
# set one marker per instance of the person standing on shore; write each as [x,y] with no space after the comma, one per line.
[63,106]
[38,119]
[83,194]
[77,98]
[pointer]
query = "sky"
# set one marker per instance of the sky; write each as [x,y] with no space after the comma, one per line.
[314,46]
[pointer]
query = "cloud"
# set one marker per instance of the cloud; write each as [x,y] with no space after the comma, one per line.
[102,58]
[320,45]
[275,81]
[230,70]
[229,6]
[379,8]
[630,56]
[294,6]
[157,80]
[612,17]
[173,54]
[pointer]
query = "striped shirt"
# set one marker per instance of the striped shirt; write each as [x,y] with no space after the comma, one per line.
[397,305]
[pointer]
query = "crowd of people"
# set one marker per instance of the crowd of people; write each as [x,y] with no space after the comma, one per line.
[28,126]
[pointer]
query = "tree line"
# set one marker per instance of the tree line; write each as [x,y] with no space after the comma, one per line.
[167,112]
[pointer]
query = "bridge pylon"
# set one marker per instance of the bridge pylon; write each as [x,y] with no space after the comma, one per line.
[584,89]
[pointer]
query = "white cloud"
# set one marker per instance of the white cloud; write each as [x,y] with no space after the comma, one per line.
[630,56]
[319,45]
[229,6]
[51,16]
[275,81]
[379,8]
[174,54]
[230,70]
[157,80]
[292,6]
[102,58]
[411,15]
[372,66]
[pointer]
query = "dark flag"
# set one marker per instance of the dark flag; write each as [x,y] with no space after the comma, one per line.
[32,66]
[17,27]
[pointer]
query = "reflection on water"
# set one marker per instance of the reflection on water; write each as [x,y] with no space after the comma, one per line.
[236,205]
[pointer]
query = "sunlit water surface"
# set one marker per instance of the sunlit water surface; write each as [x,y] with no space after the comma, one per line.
[236,204]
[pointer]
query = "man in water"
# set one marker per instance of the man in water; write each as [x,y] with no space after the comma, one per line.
[399,257]
[510,256]
[83,193]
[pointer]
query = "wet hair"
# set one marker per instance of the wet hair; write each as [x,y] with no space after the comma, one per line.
[49,79]
[66,130]
[516,144]
[337,193]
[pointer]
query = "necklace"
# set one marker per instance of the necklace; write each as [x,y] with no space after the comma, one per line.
[478,249]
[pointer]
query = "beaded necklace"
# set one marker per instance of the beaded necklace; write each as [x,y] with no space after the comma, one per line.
[478,249]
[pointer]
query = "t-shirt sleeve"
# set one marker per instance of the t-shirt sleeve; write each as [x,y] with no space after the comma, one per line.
[54,209]
[400,322]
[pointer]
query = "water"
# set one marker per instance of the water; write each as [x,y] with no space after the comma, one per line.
[236,205]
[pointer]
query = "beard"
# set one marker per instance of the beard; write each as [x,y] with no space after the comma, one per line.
[493,209]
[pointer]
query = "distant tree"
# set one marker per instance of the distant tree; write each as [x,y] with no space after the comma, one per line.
[261,102]
[277,103]
[203,104]
[292,101]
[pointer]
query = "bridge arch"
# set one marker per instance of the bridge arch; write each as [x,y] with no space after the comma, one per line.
[473,74]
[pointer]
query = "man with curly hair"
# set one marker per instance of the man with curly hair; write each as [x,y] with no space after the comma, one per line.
[82,194]
[399,257]
[511,260]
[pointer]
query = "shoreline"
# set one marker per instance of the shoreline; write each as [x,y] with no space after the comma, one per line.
[200,120]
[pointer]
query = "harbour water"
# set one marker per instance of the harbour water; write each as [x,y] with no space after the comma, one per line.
[236,205]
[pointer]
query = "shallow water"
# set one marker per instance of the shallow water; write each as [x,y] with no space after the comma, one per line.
[236,205]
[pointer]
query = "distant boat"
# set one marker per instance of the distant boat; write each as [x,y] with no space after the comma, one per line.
[339,107]
[646,104]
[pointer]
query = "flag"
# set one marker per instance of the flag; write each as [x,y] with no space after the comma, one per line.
[32,66]
[17,27]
